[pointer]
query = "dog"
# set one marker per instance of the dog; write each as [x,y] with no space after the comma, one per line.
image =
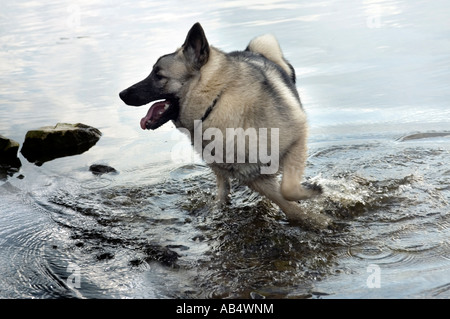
[200,88]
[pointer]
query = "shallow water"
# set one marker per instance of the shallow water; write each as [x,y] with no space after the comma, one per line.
[373,78]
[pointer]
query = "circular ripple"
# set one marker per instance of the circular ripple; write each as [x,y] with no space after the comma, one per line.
[23,253]
[371,253]
[425,241]
[382,255]
[97,183]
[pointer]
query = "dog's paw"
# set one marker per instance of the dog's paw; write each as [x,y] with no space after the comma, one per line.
[301,192]
[316,189]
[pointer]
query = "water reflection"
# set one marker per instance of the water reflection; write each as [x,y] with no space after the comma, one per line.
[66,61]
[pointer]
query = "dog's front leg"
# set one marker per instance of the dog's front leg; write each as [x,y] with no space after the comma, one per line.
[223,188]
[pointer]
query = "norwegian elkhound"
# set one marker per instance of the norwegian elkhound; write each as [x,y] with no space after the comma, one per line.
[207,92]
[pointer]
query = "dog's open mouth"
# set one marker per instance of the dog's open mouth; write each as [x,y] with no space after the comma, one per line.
[160,113]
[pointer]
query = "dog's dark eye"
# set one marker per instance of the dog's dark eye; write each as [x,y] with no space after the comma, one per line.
[157,73]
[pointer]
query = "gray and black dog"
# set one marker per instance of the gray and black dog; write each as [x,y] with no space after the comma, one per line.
[205,90]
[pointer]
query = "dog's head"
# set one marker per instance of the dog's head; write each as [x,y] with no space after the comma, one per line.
[168,80]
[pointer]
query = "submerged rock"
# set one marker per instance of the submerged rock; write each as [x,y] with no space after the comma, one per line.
[164,255]
[9,162]
[418,136]
[50,142]
[100,169]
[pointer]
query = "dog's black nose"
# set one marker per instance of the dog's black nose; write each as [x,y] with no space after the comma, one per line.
[123,95]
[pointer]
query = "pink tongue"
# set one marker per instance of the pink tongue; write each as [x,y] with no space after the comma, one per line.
[155,112]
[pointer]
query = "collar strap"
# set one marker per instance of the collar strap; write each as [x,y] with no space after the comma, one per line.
[210,108]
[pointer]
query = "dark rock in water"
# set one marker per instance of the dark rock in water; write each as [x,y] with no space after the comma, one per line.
[6,170]
[105,256]
[9,162]
[418,136]
[50,142]
[99,169]
[8,152]
[163,255]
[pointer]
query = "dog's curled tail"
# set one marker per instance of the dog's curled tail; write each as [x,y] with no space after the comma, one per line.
[268,46]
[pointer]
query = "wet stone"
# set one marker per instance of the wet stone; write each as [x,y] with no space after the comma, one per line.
[135,262]
[105,256]
[422,135]
[100,169]
[9,162]
[164,255]
[50,142]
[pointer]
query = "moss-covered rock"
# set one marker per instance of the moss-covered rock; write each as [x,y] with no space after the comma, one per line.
[50,142]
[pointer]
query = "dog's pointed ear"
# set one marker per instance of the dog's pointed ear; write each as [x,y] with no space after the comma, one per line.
[196,47]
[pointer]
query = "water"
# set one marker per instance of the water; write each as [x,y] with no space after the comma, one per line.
[373,77]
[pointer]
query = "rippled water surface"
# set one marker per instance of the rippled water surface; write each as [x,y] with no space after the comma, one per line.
[373,77]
